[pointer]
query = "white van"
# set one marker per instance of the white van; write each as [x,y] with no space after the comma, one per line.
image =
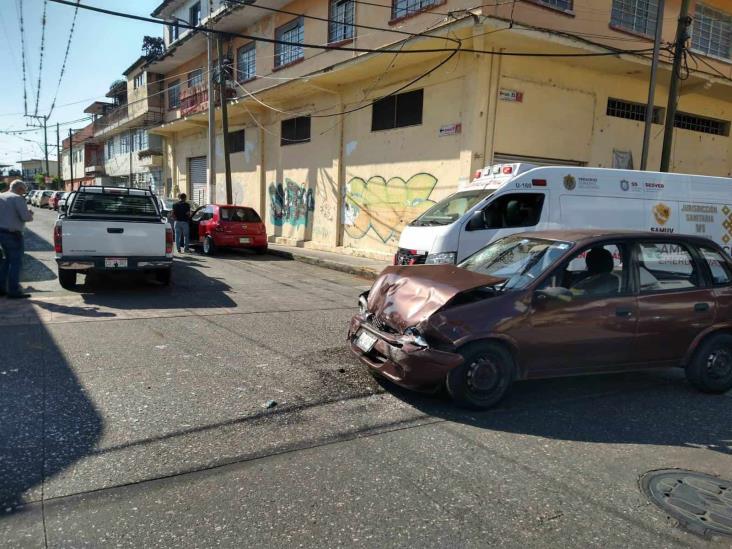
[511,198]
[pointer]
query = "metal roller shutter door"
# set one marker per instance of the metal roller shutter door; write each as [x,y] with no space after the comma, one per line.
[197,178]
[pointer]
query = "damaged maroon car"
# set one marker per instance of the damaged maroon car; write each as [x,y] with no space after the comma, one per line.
[549,304]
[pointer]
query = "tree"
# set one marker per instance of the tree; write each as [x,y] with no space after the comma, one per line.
[153,47]
[15,173]
[57,183]
[41,180]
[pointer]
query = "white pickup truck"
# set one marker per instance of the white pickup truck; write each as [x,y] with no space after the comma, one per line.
[112,229]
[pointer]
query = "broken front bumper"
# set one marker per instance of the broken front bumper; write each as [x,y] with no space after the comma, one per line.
[401,361]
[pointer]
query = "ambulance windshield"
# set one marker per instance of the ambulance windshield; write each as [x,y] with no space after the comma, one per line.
[451,208]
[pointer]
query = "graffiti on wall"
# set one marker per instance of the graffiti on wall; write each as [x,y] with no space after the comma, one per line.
[383,207]
[290,203]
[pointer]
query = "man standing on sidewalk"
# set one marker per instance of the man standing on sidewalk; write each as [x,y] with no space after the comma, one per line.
[14,213]
[181,215]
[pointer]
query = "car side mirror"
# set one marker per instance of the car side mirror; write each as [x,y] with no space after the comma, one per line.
[476,221]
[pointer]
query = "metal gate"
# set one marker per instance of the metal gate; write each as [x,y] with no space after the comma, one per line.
[197,179]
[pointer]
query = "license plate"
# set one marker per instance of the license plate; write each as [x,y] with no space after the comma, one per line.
[244,240]
[115,262]
[365,341]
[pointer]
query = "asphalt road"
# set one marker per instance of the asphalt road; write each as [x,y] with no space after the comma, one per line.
[136,415]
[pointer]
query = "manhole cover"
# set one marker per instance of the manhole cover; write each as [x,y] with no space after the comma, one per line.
[700,503]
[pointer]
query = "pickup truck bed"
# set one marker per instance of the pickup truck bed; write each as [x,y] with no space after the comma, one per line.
[112,229]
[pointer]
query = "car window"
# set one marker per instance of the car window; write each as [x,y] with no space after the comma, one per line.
[666,266]
[720,269]
[599,271]
[239,215]
[514,210]
[198,215]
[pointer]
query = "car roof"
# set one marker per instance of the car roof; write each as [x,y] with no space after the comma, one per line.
[587,236]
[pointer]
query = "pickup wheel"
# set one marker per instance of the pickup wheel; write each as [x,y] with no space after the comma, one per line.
[163,276]
[209,248]
[67,279]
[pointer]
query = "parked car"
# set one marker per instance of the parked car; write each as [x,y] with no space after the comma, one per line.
[63,200]
[29,196]
[224,226]
[54,200]
[548,304]
[42,199]
[107,229]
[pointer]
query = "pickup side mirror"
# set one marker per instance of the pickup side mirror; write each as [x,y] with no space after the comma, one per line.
[476,221]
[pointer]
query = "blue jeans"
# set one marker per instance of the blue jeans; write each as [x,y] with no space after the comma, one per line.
[181,234]
[12,245]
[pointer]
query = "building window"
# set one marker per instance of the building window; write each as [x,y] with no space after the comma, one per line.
[635,15]
[712,32]
[632,111]
[110,149]
[194,14]
[174,94]
[294,31]
[701,124]
[140,140]
[397,111]
[195,78]
[124,143]
[246,65]
[295,130]
[403,8]
[139,80]
[340,26]
[236,141]
[174,31]
[563,5]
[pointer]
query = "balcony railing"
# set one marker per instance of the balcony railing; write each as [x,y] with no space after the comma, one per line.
[195,99]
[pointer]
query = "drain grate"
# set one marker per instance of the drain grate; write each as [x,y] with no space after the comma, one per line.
[700,503]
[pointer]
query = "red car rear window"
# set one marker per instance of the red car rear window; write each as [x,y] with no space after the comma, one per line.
[239,215]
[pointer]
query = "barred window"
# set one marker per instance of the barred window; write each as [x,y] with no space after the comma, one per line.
[246,65]
[635,15]
[340,26]
[702,124]
[295,130]
[403,8]
[293,31]
[564,5]
[632,111]
[712,32]
[195,78]
[174,94]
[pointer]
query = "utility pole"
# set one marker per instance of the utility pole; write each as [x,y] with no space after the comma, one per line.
[682,35]
[652,86]
[224,116]
[130,137]
[211,187]
[59,160]
[71,157]
[45,143]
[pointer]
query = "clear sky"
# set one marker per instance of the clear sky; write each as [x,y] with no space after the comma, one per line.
[102,47]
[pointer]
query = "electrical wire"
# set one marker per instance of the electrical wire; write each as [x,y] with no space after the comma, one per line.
[66,56]
[22,55]
[40,62]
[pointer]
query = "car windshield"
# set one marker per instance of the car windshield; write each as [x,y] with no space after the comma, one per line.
[517,259]
[451,208]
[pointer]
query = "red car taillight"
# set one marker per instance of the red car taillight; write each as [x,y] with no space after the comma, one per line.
[168,240]
[57,241]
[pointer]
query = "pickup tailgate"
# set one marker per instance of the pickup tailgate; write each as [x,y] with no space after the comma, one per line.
[112,238]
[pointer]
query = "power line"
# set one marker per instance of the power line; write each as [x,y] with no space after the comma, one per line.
[22,54]
[66,55]
[614,51]
[40,62]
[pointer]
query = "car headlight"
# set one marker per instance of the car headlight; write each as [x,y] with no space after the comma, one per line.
[416,336]
[363,302]
[442,258]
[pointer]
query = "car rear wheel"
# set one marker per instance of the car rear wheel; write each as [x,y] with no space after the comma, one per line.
[209,248]
[67,279]
[710,369]
[484,378]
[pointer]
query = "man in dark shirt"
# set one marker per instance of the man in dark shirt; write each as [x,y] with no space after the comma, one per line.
[181,216]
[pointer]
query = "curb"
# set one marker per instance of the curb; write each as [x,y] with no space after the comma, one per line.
[364,272]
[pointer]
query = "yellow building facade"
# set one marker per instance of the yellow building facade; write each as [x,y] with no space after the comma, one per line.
[365,169]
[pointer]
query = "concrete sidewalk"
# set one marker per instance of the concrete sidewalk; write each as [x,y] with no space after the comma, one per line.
[359,266]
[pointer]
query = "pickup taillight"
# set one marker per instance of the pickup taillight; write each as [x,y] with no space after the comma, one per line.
[168,240]
[57,240]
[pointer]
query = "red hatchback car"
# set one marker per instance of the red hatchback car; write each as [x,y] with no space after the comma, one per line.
[224,226]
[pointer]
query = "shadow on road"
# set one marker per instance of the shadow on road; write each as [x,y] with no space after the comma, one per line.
[47,423]
[657,408]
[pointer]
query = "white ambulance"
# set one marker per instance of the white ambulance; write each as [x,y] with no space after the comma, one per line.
[511,198]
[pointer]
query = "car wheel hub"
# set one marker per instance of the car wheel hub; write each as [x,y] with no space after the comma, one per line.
[483,376]
[719,364]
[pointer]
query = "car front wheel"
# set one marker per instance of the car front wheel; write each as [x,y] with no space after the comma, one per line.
[710,369]
[484,378]
[209,248]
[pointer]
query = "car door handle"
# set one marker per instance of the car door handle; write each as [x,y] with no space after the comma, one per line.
[115,230]
[701,307]
[624,312]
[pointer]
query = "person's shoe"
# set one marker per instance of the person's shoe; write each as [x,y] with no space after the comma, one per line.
[18,296]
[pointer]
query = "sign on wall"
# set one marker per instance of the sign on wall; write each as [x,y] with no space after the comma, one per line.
[511,95]
[451,129]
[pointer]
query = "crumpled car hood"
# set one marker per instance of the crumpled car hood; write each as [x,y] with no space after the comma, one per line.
[404,296]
